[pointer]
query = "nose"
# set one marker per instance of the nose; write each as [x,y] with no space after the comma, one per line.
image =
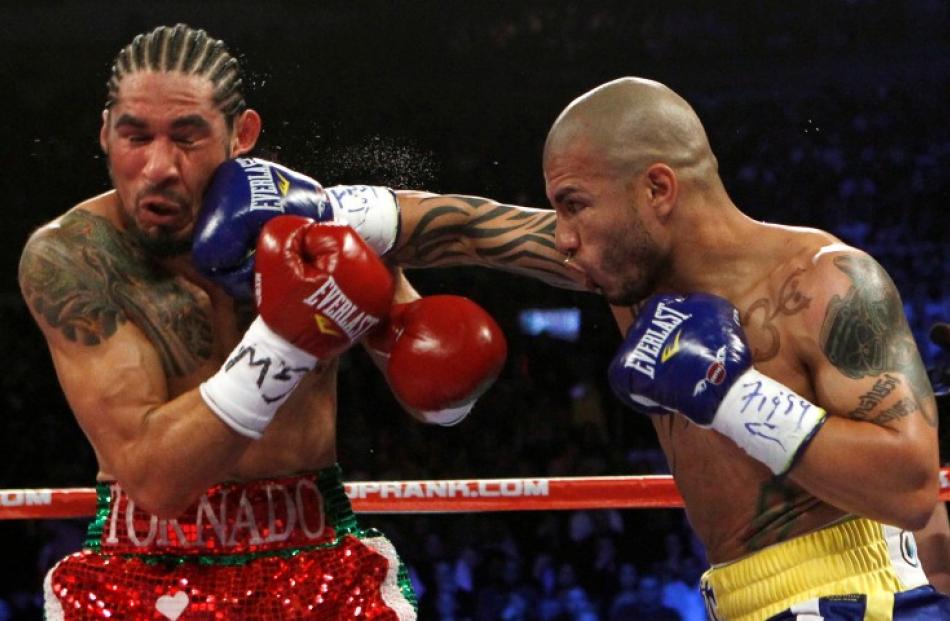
[565,239]
[162,164]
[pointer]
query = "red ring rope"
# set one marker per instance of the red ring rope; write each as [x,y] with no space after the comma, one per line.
[436,496]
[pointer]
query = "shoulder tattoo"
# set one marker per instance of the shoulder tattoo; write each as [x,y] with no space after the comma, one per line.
[69,273]
[865,334]
[85,278]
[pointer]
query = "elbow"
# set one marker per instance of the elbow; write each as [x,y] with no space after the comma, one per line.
[155,494]
[915,520]
[921,516]
[162,503]
[156,488]
[917,506]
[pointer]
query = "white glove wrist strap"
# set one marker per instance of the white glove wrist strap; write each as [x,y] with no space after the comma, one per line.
[768,420]
[257,378]
[371,210]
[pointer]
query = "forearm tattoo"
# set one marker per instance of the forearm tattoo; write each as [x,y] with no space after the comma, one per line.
[86,279]
[467,230]
[865,334]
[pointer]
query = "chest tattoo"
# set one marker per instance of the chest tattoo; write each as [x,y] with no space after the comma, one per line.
[760,315]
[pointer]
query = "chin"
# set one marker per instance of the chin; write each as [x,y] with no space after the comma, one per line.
[164,244]
[627,296]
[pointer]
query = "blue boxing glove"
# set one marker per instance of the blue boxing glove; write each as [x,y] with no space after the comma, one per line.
[689,354]
[247,192]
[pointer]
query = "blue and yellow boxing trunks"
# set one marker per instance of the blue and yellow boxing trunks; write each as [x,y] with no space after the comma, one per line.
[282,548]
[853,570]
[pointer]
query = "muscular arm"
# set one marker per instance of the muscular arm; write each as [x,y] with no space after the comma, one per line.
[79,284]
[437,230]
[877,453]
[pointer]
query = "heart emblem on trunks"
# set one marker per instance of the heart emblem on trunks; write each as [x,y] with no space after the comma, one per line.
[171,606]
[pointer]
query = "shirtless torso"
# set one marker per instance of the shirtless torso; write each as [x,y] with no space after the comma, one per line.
[159,330]
[734,504]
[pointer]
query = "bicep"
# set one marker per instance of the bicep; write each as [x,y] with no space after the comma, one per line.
[109,371]
[111,386]
[867,366]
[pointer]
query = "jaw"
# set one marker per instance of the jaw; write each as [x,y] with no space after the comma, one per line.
[633,284]
[160,241]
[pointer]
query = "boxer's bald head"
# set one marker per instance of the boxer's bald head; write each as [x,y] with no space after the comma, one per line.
[186,50]
[624,166]
[632,123]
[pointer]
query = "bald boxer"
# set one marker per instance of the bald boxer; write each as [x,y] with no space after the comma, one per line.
[641,211]
[775,363]
[213,418]
[810,518]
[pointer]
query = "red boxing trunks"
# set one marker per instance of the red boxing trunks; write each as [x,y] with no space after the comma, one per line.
[284,548]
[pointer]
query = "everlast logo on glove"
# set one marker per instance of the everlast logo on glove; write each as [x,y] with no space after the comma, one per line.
[266,193]
[643,356]
[333,304]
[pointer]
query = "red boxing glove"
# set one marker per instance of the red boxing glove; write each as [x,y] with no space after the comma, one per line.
[318,284]
[444,351]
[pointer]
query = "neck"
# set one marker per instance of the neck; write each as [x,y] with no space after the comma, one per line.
[710,246]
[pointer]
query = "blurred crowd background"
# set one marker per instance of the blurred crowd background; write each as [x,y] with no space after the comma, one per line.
[829,114]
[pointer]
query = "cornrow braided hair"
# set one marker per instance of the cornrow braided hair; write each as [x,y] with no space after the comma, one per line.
[189,51]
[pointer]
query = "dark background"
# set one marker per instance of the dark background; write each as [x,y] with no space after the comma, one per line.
[830,114]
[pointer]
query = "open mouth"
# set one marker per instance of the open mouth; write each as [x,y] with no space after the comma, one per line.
[159,212]
[162,210]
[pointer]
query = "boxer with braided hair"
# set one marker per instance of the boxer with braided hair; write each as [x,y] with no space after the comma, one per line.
[215,431]
[184,50]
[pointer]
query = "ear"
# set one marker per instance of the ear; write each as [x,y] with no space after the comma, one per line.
[247,129]
[662,189]
[104,131]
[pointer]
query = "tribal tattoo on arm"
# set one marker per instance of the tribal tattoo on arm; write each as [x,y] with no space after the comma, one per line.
[865,334]
[86,279]
[468,230]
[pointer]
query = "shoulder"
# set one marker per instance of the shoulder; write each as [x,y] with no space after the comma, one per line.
[77,242]
[838,271]
[70,269]
[818,275]
[855,304]
[825,267]
[795,266]
[78,231]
